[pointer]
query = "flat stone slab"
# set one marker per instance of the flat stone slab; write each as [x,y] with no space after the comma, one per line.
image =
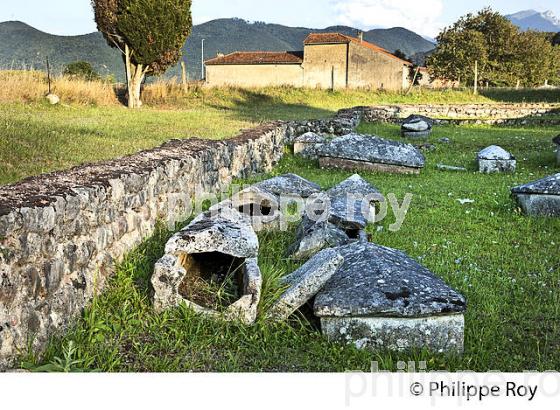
[214,246]
[375,281]
[305,282]
[355,151]
[540,198]
[380,298]
[443,167]
[495,159]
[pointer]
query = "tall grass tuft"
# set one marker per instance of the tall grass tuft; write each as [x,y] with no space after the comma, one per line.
[32,86]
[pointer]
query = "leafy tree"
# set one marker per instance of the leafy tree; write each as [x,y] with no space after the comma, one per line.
[537,60]
[149,33]
[505,55]
[414,75]
[456,54]
[82,70]
[556,39]
[400,54]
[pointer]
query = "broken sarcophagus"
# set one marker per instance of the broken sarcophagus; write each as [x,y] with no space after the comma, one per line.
[264,202]
[211,266]
[340,217]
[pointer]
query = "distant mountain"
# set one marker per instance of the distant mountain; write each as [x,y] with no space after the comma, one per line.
[534,20]
[24,46]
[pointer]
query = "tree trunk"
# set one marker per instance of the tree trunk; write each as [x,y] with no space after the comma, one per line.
[134,77]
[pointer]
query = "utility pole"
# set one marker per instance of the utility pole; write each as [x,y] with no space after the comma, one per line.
[202,62]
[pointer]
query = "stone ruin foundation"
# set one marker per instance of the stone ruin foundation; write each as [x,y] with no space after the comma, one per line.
[78,223]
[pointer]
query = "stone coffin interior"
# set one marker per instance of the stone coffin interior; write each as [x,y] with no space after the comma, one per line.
[213,280]
[260,207]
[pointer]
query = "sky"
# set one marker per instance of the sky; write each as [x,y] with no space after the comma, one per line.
[426,17]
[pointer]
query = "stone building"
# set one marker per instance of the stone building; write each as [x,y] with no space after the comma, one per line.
[329,60]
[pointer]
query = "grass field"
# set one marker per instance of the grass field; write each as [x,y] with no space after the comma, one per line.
[507,265]
[89,126]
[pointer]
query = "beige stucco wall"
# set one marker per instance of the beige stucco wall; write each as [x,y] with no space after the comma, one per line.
[257,75]
[318,63]
[368,68]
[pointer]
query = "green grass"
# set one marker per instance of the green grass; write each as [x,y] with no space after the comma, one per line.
[37,138]
[507,265]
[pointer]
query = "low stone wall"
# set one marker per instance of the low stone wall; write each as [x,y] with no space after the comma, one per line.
[61,233]
[461,114]
[347,120]
[344,122]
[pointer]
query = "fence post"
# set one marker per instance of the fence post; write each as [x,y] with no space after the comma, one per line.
[476,77]
[184,75]
[49,75]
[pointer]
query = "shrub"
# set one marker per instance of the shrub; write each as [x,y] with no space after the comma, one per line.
[82,70]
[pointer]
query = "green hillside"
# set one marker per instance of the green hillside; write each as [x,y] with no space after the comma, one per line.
[22,46]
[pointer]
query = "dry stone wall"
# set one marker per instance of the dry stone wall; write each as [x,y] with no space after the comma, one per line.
[61,233]
[460,114]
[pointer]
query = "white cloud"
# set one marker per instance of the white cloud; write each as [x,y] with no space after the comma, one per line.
[421,16]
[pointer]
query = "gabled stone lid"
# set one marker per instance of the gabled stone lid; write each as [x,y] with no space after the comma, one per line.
[495,152]
[546,186]
[347,202]
[383,282]
[370,148]
[310,138]
[289,184]
[417,123]
[225,231]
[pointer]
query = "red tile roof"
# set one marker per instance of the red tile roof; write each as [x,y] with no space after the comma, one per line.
[338,38]
[258,57]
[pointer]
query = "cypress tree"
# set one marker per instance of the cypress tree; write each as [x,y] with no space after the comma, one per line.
[149,33]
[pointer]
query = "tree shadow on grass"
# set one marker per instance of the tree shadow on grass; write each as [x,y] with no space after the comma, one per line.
[142,259]
[255,106]
[512,95]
